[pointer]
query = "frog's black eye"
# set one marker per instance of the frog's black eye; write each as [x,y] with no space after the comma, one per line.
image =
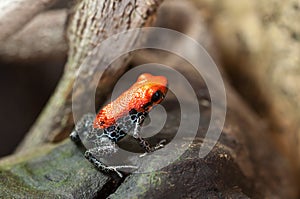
[156,96]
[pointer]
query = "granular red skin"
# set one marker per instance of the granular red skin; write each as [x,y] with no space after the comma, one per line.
[139,94]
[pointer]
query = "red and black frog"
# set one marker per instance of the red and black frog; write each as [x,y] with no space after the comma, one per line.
[125,115]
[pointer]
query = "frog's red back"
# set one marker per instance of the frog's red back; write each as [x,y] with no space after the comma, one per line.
[146,92]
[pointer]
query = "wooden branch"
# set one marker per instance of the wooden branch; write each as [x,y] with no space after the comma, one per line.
[42,38]
[14,14]
[90,23]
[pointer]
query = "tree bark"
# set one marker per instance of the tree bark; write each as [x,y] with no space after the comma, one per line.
[90,23]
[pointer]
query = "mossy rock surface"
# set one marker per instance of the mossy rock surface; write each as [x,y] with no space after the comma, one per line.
[62,173]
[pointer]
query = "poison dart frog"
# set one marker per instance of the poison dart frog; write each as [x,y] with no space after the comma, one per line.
[122,116]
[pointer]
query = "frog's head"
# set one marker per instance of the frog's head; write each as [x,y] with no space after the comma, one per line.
[151,89]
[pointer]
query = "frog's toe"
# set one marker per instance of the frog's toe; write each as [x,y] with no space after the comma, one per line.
[160,145]
[75,137]
[143,155]
[116,168]
[162,142]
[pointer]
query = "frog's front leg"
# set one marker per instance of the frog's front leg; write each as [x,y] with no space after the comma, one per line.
[144,143]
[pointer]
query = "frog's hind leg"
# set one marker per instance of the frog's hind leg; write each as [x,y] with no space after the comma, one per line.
[82,128]
[102,167]
[103,149]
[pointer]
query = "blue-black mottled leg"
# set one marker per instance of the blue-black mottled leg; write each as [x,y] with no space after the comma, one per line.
[83,127]
[143,143]
[102,167]
[105,148]
[99,145]
[99,165]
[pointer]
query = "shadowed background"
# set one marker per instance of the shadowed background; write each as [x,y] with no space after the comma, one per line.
[25,89]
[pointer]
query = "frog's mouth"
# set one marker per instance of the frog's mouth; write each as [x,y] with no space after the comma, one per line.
[148,106]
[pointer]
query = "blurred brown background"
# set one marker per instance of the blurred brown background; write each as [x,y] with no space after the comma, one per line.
[25,87]
[25,90]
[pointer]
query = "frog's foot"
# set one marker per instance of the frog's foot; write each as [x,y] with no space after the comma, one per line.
[99,165]
[116,168]
[160,145]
